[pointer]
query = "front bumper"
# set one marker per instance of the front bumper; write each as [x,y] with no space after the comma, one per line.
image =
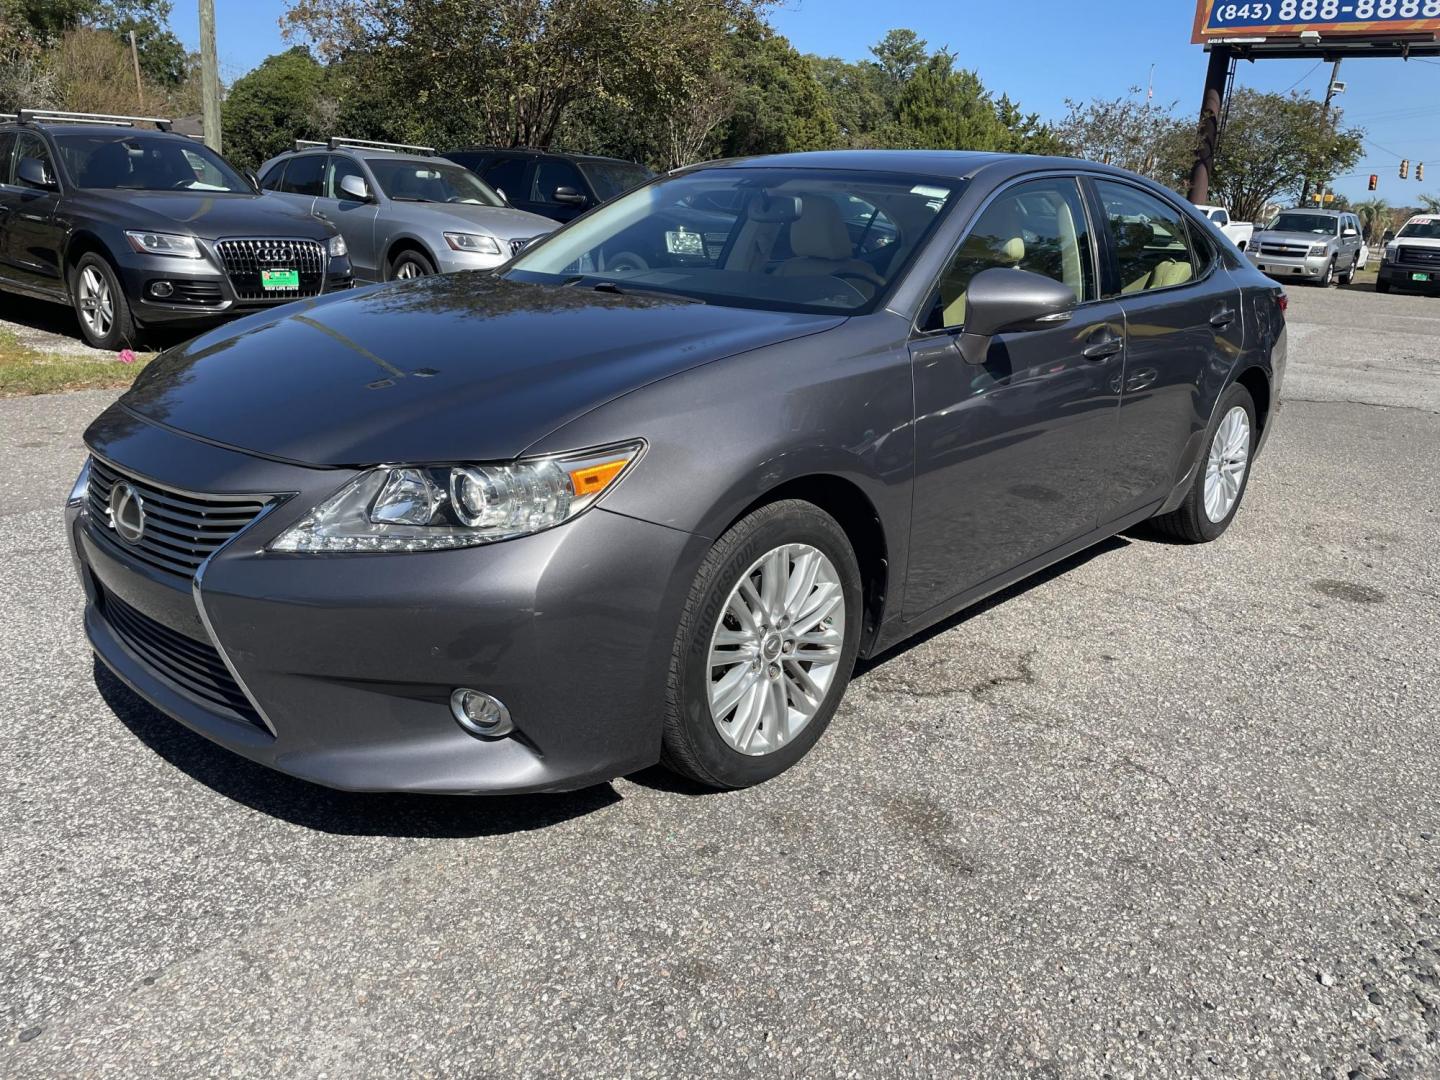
[350,659]
[1283,266]
[200,288]
[1401,276]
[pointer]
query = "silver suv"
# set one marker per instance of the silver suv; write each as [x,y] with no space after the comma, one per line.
[403,211]
[1315,245]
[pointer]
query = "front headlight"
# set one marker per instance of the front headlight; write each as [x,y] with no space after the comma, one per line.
[81,487]
[430,507]
[1319,249]
[153,243]
[474,243]
[1387,252]
[336,246]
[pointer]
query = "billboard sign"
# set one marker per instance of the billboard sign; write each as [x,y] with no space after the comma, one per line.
[1290,18]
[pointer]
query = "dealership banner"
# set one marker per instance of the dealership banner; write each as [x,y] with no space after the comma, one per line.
[1291,18]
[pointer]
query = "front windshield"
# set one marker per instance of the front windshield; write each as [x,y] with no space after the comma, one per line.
[1318,224]
[612,178]
[1425,228]
[806,240]
[408,180]
[138,161]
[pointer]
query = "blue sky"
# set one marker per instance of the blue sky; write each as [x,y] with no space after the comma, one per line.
[1039,53]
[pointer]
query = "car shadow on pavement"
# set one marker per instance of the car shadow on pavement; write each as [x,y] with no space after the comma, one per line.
[57,320]
[349,813]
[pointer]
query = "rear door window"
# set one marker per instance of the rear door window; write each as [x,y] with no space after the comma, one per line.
[304,175]
[1148,236]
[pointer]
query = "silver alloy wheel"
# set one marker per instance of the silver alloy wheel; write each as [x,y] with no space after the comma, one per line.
[95,302]
[776,649]
[1226,465]
[409,268]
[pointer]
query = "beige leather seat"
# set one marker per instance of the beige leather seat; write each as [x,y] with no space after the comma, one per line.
[998,240]
[821,244]
[1135,237]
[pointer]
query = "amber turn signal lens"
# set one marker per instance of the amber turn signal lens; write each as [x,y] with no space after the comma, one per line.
[593,479]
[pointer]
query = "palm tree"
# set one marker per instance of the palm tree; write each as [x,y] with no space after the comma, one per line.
[1374,214]
[1430,204]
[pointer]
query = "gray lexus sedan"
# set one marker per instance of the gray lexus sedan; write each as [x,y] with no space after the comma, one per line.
[537,528]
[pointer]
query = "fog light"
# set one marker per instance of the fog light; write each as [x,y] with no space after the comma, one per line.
[480,714]
[161,289]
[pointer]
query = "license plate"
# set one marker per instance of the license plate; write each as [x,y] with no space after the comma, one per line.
[279,279]
[1419,277]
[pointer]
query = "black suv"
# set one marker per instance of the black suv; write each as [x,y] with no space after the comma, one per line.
[555,185]
[135,226]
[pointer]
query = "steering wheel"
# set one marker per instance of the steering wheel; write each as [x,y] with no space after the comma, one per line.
[869,279]
[181,185]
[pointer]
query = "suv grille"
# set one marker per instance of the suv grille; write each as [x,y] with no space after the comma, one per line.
[1292,251]
[181,529]
[517,246]
[244,259]
[1416,256]
[191,666]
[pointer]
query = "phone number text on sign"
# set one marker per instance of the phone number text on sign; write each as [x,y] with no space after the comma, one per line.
[1293,16]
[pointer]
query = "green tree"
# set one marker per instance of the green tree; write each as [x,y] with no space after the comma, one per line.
[1430,204]
[1130,133]
[899,55]
[284,99]
[777,106]
[856,95]
[1272,143]
[163,59]
[944,108]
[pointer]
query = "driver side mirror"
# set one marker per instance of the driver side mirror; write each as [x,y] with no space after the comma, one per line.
[353,187]
[570,195]
[1004,300]
[1389,235]
[33,173]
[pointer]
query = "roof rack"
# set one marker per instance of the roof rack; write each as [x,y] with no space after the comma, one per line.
[335,142]
[51,116]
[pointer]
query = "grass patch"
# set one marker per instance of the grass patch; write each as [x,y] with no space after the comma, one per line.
[24,370]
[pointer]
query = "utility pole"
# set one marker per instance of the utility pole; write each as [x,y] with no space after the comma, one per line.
[1217,82]
[135,59]
[1325,126]
[209,76]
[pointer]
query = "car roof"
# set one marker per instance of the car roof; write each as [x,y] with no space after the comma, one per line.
[532,151]
[1315,210]
[938,164]
[90,129]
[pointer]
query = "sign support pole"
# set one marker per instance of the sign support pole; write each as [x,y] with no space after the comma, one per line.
[1217,79]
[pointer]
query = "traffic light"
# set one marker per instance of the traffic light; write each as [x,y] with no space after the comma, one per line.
[1405,169]
[1420,171]
[1374,181]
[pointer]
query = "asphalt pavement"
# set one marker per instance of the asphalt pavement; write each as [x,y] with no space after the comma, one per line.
[1164,811]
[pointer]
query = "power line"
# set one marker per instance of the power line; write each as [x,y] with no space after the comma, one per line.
[1302,78]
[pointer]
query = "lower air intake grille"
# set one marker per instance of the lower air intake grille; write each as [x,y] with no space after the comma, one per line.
[193,667]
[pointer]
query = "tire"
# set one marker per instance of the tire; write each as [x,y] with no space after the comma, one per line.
[408,263]
[1382,286]
[627,261]
[1329,277]
[1191,522]
[1349,276]
[797,536]
[101,307]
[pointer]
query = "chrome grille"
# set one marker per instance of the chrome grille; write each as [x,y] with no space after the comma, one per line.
[1416,256]
[517,246]
[182,529]
[244,259]
[193,667]
[1291,251]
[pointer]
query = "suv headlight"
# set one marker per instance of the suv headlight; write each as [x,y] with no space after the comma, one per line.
[1319,249]
[336,246]
[430,507]
[153,243]
[1387,252]
[474,243]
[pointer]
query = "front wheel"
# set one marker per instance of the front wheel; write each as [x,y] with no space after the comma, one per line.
[106,321]
[1349,276]
[1214,496]
[1382,286]
[1325,279]
[410,264]
[765,648]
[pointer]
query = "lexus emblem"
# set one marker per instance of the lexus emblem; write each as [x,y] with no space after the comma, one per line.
[127,513]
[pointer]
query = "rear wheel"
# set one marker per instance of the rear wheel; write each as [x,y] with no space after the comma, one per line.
[106,321]
[1219,485]
[765,648]
[410,264]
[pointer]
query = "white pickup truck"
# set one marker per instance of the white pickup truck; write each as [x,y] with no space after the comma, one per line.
[1239,232]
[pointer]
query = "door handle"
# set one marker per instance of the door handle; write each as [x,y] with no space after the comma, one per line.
[1103,350]
[1221,319]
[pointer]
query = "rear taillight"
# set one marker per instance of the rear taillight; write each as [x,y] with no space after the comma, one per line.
[1283,302]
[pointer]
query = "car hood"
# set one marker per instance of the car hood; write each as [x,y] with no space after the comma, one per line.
[208,215]
[1293,237]
[1414,241]
[457,367]
[502,222]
